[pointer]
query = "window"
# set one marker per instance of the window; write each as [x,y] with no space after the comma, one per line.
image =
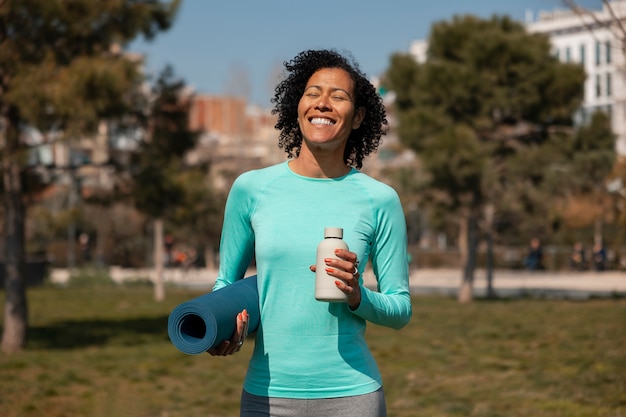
[598,53]
[568,54]
[608,51]
[608,84]
[582,55]
[598,86]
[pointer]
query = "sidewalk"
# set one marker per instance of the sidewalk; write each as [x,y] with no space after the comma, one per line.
[516,283]
[440,281]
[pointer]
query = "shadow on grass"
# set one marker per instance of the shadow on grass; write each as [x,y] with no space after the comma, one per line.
[85,333]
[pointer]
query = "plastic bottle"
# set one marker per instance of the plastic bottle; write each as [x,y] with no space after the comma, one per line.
[325,288]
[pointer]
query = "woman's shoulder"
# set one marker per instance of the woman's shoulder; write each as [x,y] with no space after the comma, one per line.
[375,186]
[260,175]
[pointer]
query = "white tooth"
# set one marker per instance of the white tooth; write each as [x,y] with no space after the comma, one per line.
[321,121]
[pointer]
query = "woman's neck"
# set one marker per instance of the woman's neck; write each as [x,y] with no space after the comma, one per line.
[308,165]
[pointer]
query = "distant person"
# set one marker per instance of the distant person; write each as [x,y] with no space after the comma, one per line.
[599,256]
[577,258]
[311,357]
[534,258]
[85,247]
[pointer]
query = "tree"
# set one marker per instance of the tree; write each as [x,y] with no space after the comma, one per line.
[582,200]
[158,165]
[488,93]
[61,68]
[612,19]
[199,218]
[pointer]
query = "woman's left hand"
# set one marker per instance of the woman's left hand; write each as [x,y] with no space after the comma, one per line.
[347,270]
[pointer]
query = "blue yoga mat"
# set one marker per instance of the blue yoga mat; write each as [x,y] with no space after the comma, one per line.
[202,323]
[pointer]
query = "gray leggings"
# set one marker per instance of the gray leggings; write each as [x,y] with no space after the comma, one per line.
[367,405]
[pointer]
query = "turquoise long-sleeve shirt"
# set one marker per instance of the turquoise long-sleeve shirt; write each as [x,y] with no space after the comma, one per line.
[307,348]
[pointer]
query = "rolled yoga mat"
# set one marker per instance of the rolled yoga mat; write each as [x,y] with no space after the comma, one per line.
[204,322]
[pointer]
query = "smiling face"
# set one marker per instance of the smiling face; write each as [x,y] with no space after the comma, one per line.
[326,112]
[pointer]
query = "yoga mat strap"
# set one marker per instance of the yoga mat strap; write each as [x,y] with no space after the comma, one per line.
[204,322]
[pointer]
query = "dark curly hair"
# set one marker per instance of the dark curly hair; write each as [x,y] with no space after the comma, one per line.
[363,140]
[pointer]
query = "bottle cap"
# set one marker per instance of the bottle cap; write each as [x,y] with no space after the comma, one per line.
[336,232]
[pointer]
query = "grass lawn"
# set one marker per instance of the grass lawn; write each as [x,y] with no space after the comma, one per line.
[104,352]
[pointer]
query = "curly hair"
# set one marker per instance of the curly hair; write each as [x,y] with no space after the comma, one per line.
[362,141]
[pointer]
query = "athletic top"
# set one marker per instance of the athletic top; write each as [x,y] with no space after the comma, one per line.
[306,348]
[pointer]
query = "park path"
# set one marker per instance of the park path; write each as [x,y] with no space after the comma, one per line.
[511,283]
[441,281]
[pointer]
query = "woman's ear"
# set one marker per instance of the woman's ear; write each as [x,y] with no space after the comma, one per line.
[359,115]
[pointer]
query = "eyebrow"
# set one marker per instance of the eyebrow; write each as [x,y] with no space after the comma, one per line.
[334,89]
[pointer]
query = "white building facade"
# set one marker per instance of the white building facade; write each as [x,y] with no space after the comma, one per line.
[593,39]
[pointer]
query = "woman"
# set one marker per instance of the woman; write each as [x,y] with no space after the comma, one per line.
[310,357]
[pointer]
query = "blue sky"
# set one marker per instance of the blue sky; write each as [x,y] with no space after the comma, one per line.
[237,46]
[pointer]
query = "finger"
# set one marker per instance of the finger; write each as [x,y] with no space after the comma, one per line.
[339,266]
[244,333]
[242,326]
[233,345]
[346,255]
[346,289]
[237,335]
[220,349]
[246,322]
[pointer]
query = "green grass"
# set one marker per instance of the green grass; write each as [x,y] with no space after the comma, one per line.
[104,352]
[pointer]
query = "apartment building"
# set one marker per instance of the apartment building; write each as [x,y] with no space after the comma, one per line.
[594,39]
[235,136]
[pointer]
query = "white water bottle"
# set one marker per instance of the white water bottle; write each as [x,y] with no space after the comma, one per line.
[325,288]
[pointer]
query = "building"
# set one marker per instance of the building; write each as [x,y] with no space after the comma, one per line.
[589,37]
[235,137]
[593,39]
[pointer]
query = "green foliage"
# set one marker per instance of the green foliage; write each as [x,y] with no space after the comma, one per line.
[59,59]
[198,219]
[591,150]
[482,113]
[61,69]
[156,190]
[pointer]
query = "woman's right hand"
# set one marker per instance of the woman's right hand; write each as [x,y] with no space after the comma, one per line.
[228,347]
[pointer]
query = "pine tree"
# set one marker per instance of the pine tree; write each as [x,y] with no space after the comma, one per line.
[487,93]
[158,166]
[61,67]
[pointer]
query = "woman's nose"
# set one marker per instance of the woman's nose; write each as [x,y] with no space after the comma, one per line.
[322,102]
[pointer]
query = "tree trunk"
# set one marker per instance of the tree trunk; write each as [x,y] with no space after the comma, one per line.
[159,287]
[469,238]
[15,309]
[489,215]
[490,292]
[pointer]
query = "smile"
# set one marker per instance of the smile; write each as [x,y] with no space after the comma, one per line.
[321,121]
